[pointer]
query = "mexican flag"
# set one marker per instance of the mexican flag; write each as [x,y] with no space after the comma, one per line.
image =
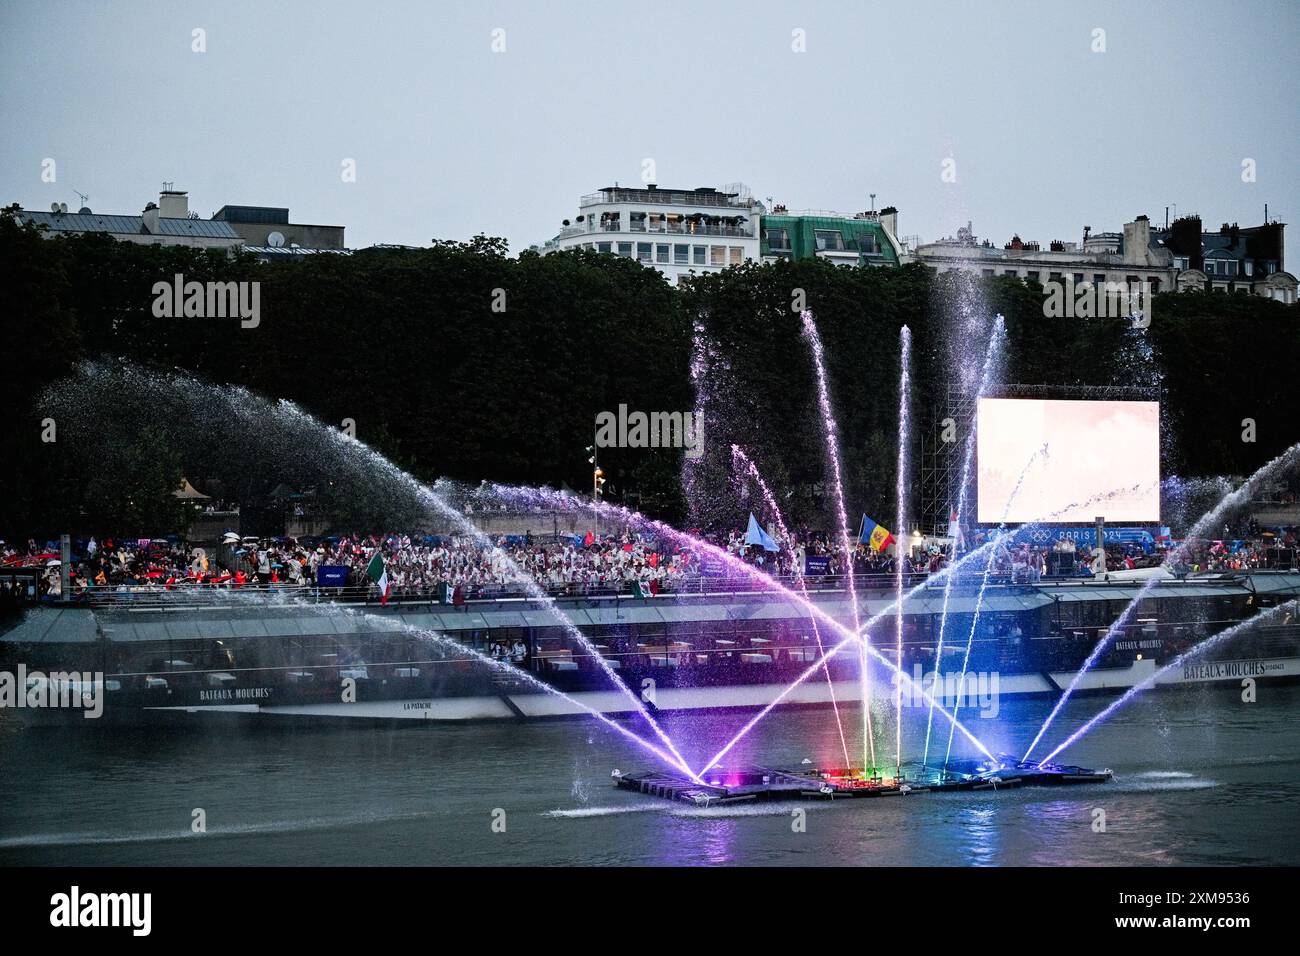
[376,571]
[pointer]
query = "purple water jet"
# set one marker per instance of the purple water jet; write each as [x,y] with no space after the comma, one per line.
[1287,459]
[1263,617]
[831,431]
[743,460]
[988,371]
[904,384]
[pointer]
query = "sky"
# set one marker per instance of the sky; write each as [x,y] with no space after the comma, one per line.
[496,117]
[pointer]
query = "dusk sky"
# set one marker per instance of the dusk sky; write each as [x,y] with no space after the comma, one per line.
[452,139]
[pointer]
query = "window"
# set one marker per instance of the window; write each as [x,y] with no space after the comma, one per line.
[717,255]
[867,244]
[1054,276]
[700,255]
[778,240]
[681,255]
[737,255]
[661,252]
[656,222]
[1010,272]
[1180,263]
[604,247]
[636,221]
[625,249]
[643,252]
[1099,280]
[1232,267]
[828,239]
[1032,276]
[1078,278]
[988,272]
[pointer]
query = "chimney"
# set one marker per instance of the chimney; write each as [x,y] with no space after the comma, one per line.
[174,204]
[151,218]
[1137,241]
[889,222]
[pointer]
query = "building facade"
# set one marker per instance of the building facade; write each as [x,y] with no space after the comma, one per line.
[263,231]
[1247,260]
[1181,257]
[677,231]
[864,239]
[1134,258]
[268,233]
[167,222]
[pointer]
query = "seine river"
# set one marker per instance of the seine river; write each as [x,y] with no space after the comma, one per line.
[1200,778]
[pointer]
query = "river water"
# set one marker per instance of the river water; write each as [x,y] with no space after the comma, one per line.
[1200,778]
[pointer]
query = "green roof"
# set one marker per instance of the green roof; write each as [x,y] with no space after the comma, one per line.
[796,237]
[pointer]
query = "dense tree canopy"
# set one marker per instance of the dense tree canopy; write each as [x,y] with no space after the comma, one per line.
[460,361]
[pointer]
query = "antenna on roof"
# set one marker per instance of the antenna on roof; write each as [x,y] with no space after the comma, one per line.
[167,187]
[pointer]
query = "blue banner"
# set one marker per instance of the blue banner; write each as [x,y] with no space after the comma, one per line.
[817,564]
[1084,536]
[331,576]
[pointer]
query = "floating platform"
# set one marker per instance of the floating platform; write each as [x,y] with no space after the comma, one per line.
[984,774]
[737,784]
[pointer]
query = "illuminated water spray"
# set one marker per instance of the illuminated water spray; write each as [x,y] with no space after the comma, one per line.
[831,431]
[1285,612]
[549,498]
[900,523]
[558,499]
[984,583]
[438,639]
[1210,519]
[258,429]
[992,357]
[743,461]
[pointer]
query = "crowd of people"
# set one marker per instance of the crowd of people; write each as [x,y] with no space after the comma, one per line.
[459,568]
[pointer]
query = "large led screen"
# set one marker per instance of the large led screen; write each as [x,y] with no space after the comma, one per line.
[1101,459]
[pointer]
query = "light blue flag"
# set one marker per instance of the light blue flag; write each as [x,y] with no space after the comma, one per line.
[756,535]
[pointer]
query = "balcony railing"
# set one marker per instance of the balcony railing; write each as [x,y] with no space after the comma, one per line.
[664,197]
[660,229]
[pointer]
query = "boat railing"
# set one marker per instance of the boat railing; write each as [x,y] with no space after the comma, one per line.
[191,593]
[730,581]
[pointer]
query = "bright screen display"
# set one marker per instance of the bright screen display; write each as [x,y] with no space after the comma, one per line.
[1102,458]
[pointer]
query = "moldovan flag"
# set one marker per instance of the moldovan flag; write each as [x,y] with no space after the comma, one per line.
[874,535]
[376,571]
